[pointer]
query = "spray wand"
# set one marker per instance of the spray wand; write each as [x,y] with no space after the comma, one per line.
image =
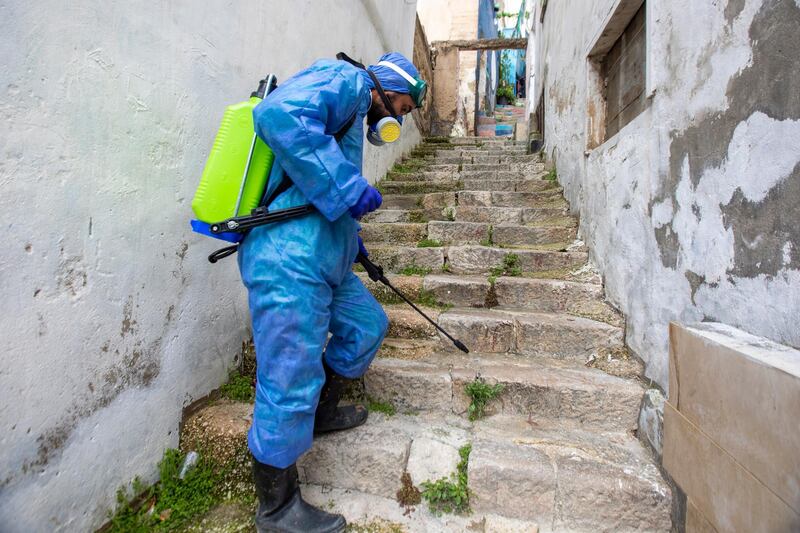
[375,273]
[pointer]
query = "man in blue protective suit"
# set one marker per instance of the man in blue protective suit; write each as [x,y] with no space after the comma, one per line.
[299,272]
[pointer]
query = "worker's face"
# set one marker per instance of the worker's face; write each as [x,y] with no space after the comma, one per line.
[402,103]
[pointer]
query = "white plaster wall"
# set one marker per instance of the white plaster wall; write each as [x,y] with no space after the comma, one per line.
[112,320]
[695,49]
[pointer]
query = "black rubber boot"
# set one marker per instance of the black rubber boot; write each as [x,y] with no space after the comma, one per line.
[282,509]
[330,416]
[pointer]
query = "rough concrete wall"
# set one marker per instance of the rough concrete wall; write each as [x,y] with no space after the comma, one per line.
[691,210]
[422,60]
[112,318]
[447,20]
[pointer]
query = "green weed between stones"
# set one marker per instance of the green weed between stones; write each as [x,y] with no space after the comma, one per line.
[429,243]
[510,267]
[450,214]
[552,175]
[450,495]
[480,394]
[239,388]
[172,502]
[378,406]
[428,299]
[414,270]
[417,217]
[488,241]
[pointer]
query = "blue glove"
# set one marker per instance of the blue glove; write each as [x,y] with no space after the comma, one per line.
[363,251]
[369,201]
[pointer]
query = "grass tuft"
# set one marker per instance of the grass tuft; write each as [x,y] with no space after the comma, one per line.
[552,175]
[378,406]
[414,270]
[480,394]
[429,243]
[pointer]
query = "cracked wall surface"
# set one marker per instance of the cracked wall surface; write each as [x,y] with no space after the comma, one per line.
[691,210]
[112,318]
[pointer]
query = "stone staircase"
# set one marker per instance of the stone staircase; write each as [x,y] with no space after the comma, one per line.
[471,230]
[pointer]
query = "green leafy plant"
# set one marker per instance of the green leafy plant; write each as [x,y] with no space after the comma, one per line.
[429,243]
[552,175]
[172,502]
[450,495]
[510,267]
[506,91]
[238,388]
[480,394]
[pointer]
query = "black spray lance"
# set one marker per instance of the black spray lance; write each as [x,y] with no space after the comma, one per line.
[375,273]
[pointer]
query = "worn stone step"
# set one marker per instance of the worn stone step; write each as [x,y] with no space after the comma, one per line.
[566,479]
[541,390]
[521,236]
[462,232]
[402,201]
[406,323]
[393,232]
[516,215]
[555,296]
[459,291]
[412,260]
[367,513]
[408,349]
[540,295]
[417,187]
[575,481]
[529,167]
[528,333]
[428,174]
[496,199]
[448,232]
[502,173]
[470,259]
[391,215]
[508,185]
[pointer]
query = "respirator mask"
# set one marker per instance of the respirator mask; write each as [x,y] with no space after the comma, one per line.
[387,129]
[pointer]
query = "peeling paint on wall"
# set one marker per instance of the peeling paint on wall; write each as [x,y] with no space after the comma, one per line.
[691,210]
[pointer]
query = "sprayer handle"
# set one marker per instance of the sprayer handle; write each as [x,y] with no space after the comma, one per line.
[374,271]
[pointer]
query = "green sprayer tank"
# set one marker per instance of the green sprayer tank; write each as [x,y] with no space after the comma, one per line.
[238,166]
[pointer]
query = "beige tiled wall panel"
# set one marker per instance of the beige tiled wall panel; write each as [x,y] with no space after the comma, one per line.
[720,488]
[743,392]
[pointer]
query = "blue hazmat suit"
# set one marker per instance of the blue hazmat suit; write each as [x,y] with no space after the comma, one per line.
[299,272]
